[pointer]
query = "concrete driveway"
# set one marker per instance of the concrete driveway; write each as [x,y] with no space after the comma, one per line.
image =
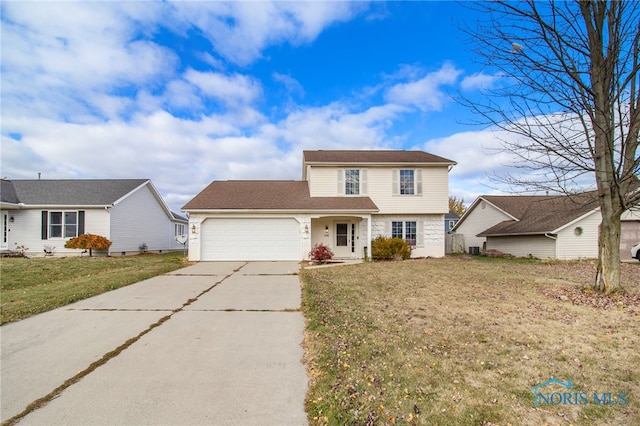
[217,343]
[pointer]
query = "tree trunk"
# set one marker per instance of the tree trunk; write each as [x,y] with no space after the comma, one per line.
[608,270]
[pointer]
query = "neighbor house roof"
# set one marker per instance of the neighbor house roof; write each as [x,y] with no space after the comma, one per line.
[270,195]
[538,214]
[384,157]
[74,192]
[8,192]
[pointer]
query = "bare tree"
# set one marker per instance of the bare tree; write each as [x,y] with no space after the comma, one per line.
[568,78]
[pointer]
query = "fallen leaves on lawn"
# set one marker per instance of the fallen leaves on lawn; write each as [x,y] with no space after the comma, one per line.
[630,302]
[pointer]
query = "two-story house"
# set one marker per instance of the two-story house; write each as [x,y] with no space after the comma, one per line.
[344,200]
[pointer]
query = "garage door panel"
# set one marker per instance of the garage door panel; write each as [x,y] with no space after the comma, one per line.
[250,239]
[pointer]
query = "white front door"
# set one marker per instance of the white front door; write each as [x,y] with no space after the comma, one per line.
[345,240]
[4,238]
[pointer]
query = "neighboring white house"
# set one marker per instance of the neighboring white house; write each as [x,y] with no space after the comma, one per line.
[40,216]
[344,200]
[558,227]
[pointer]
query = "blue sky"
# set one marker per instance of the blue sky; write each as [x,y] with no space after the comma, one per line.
[189,92]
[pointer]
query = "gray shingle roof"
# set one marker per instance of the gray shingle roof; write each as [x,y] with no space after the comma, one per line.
[539,214]
[384,157]
[270,195]
[8,192]
[74,192]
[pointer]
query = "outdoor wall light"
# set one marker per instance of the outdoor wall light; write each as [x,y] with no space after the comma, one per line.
[11,219]
[193,229]
[306,229]
[326,230]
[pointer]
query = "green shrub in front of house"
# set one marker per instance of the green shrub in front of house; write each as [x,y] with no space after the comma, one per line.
[384,248]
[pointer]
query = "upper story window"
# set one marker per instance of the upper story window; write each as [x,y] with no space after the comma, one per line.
[62,224]
[407,182]
[352,181]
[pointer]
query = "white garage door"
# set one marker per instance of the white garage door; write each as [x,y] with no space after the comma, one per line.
[250,239]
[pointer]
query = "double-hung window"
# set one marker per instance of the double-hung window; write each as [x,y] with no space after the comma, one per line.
[179,229]
[407,182]
[352,181]
[408,231]
[62,224]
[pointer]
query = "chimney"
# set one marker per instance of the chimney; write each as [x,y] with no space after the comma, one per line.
[39,175]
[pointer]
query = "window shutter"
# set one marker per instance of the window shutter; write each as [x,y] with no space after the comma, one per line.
[387,228]
[81,222]
[363,182]
[396,186]
[420,233]
[45,224]
[418,176]
[340,181]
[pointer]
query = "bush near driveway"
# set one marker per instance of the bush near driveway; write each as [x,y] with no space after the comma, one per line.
[32,286]
[458,341]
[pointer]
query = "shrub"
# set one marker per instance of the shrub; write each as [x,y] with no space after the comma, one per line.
[88,242]
[320,252]
[384,248]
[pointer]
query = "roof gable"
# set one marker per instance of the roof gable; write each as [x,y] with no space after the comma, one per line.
[375,156]
[542,214]
[270,195]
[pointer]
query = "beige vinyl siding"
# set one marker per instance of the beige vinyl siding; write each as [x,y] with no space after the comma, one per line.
[323,182]
[524,246]
[478,220]
[573,246]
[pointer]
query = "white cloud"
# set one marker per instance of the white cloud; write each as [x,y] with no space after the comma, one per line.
[479,81]
[240,31]
[425,93]
[231,89]
[291,84]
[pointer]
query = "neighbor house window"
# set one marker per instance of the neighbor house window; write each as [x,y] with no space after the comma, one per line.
[408,231]
[62,224]
[179,229]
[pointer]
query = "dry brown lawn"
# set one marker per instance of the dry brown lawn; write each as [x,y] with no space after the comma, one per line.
[462,341]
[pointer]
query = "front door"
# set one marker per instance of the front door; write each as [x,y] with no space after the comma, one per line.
[345,240]
[4,237]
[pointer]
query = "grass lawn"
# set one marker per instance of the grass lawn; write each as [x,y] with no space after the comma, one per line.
[32,286]
[459,341]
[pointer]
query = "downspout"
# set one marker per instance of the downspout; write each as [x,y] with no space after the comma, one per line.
[555,246]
